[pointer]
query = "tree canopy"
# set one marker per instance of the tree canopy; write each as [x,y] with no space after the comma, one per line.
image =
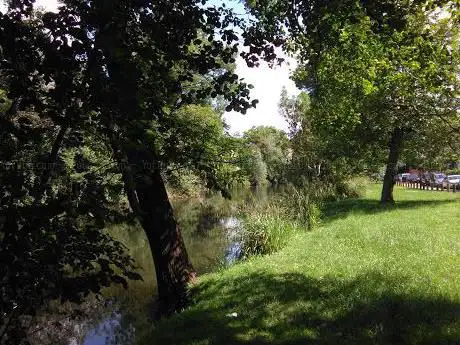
[100,99]
[378,73]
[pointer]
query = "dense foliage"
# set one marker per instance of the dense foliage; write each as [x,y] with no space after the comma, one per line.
[100,99]
[106,104]
[378,74]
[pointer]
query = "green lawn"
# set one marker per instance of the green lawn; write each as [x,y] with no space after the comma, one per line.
[368,275]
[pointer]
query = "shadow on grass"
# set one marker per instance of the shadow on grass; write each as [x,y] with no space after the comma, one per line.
[341,209]
[295,309]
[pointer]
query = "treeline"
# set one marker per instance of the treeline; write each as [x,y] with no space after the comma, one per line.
[258,158]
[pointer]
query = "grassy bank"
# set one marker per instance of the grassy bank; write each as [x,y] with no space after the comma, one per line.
[367,275]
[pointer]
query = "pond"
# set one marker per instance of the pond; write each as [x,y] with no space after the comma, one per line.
[210,229]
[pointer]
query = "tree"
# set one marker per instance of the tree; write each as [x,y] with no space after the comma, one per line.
[50,221]
[378,72]
[252,165]
[274,147]
[118,72]
[307,156]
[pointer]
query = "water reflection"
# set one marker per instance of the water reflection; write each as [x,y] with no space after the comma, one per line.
[104,332]
[233,227]
[211,234]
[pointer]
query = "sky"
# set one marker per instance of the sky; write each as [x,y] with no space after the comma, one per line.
[267,84]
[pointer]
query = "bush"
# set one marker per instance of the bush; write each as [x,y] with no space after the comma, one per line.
[271,220]
[351,188]
[265,234]
[268,226]
[184,183]
[302,205]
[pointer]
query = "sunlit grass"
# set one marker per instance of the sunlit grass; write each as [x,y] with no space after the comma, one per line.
[368,275]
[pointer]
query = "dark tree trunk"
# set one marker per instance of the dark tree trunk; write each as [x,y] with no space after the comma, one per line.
[393,155]
[147,194]
[174,271]
[149,200]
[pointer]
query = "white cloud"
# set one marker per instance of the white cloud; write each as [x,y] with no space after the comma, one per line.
[268,84]
[49,5]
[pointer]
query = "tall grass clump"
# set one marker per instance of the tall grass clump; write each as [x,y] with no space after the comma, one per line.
[302,205]
[351,188]
[265,233]
[269,226]
[269,223]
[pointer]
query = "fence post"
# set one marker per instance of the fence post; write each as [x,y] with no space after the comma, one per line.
[448,187]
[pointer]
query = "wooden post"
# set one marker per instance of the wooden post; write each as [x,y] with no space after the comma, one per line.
[448,187]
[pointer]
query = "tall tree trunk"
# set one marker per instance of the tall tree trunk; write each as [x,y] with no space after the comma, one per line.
[174,271]
[393,155]
[149,201]
[147,192]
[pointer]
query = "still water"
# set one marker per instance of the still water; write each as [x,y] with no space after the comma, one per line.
[210,230]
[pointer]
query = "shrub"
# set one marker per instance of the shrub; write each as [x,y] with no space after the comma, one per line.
[351,188]
[301,205]
[184,183]
[268,226]
[265,234]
